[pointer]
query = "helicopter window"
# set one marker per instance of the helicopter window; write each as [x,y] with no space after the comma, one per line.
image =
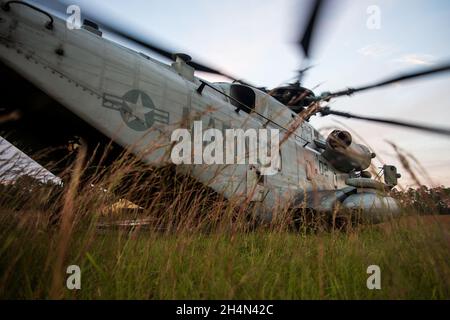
[245,95]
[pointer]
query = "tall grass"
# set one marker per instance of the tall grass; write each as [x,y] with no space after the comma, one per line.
[194,244]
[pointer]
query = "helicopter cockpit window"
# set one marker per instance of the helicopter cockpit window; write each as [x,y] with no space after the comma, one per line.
[245,95]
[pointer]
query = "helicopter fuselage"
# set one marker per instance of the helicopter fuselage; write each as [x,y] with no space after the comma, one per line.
[138,102]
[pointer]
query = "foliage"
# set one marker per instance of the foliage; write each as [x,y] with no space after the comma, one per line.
[425,200]
[186,242]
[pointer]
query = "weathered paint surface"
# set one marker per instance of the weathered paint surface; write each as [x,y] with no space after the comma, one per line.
[138,102]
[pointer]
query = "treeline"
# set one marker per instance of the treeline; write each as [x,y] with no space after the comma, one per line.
[28,192]
[425,200]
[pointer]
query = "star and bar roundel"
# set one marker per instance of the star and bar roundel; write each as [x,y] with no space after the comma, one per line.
[137,109]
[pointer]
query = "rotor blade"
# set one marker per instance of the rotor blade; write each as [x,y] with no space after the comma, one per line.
[303,71]
[155,48]
[308,34]
[201,67]
[167,54]
[161,50]
[444,131]
[407,76]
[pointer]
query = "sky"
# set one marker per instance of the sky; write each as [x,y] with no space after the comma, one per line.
[255,41]
[14,163]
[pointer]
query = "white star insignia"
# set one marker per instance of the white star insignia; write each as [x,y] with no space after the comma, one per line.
[138,110]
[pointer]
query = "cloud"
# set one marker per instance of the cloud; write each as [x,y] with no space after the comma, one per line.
[417,59]
[376,50]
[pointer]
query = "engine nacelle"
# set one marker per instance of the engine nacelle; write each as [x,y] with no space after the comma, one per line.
[345,155]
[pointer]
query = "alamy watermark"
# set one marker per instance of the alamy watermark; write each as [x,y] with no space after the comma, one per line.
[236,147]
[73,281]
[73,20]
[374,280]
[374,17]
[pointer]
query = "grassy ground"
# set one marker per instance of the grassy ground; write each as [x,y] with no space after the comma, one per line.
[414,259]
[199,246]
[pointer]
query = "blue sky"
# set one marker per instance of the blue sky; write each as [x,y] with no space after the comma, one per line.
[254,40]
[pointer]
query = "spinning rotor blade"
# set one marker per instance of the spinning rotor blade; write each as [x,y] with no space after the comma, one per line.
[201,67]
[327,111]
[166,53]
[329,95]
[308,35]
[157,49]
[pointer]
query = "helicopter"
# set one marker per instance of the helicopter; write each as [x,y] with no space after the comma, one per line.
[77,85]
